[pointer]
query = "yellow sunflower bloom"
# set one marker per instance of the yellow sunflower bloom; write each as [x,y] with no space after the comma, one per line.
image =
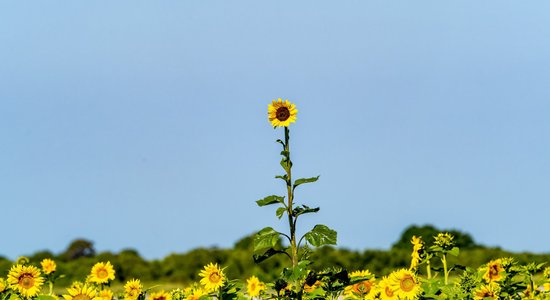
[387,289]
[102,273]
[494,271]
[162,295]
[26,280]
[212,277]
[48,266]
[254,286]
[281,113]
[363,289]
[194,293]
[418,247]
[3,284]
[132,289]
[490,290]
[106,294]
[83,292]
[407,283]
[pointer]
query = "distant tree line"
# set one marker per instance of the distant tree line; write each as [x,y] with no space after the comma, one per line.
[76,261]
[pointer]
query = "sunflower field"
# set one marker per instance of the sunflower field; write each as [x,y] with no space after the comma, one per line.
[433,269]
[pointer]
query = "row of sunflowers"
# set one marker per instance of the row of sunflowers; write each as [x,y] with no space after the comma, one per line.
[429,276]
[498,279]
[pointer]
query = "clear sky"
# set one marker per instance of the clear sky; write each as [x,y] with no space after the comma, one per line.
[143,124]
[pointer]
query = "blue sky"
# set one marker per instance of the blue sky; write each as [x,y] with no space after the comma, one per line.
[141,124]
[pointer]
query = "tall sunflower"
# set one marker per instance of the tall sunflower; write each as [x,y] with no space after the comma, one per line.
[407,283]
[83,292]
[162,295]
[25,279]
[281,113]
[212,277]
[363,289]
[132,289]
[254,286]
[102,273]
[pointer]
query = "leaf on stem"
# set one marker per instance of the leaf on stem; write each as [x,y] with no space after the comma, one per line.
[283,177]
[454,252]
[258,258]
[270,200]
[266,238]
[305,180]
[286,164]
[280,211]
[321,235]
[304,209]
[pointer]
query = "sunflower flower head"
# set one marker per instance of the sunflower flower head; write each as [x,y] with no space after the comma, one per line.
[161,295]
[387,288]
[488,291]
[363,289]
[132,289]
[102,273]
[25,279]
[83,292]
[494,271]
[407,284]
[212,277]
[254,286]
[546,273]
[106,294]
[194,292]
[417,253]
[3,284]
[281,113]
[177,294]
[48,266]
[444,240]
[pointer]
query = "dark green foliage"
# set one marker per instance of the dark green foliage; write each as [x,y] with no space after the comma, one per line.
[78,248]
[427,232]
[184,267]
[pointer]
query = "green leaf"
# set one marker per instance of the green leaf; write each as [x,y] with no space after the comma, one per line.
[286,164]
[304,209]
[454,252]
[280,211]
[267,254]
[285,153]
[266,238]
[283,177]
[297,273]
[44,297]
[321,235]
[305,180]
[270,200]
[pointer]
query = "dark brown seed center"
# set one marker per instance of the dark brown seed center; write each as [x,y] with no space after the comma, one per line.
[283,114]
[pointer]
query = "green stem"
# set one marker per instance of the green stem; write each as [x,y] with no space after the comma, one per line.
[51,288]
[428,268]
[445,272]
[291,222]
